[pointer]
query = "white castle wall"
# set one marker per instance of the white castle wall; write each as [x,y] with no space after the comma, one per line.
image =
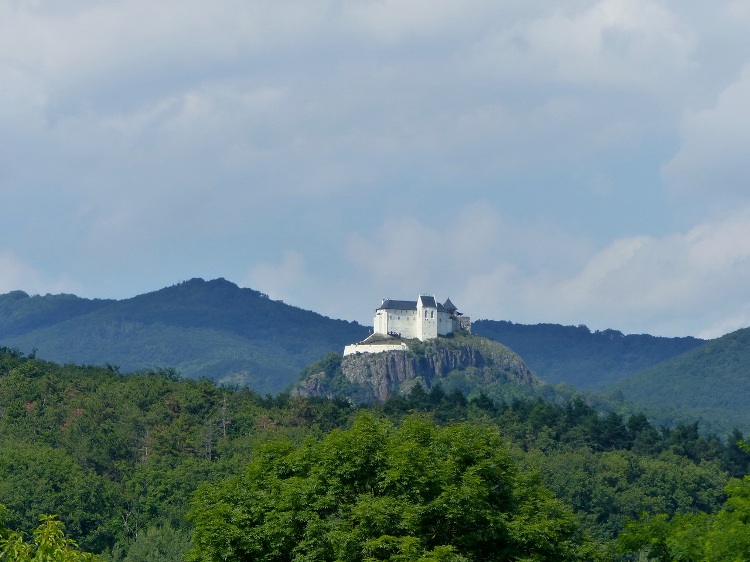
[402,322]
[374,348]
[428,322]
[445,324]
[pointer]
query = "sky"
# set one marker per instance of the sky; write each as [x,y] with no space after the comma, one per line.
[571,162]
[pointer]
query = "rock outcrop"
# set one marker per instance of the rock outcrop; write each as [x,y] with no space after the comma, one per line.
[376,376]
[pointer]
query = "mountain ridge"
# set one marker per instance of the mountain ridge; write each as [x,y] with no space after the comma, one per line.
[201,328]
[238,336]
[575,355]
[710,382]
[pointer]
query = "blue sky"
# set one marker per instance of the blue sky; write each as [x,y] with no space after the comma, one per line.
[575,162]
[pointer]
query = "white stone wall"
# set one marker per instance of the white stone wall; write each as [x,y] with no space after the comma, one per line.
[445,324]
[428,322]
[374,348]
[396,321]
[423,323]
[380,324]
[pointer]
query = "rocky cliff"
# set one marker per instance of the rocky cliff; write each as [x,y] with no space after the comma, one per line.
[468,362]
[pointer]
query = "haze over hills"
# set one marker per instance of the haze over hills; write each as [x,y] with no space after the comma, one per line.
[576,355]
[711,383]
[217,330]
[201,328]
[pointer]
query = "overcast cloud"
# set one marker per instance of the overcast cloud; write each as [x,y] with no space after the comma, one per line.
[577,162]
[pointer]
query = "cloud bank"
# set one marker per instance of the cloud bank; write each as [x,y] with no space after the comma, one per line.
[573,162]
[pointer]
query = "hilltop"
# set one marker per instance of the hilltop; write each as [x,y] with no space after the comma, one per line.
[200,328]
[467,363]
[239,336]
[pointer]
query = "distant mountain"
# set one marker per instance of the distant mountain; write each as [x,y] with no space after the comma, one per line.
[21,314]
[201,328]
[576,355]
[239,336]
[711,383]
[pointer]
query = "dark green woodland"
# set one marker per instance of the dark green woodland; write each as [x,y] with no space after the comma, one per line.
[205,422]
[152,465]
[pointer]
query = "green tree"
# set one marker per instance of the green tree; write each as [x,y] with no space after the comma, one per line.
[50,545]
[159,543]
[380,492]
[699,537]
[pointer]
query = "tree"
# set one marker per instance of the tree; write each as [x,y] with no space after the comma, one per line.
[723,537]
[50,545]
[162,543]
[380,492]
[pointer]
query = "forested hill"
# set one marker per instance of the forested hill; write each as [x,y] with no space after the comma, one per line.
[200,328]
[576,355]
[711,382]
[21,314]
[233,335]
[147,465]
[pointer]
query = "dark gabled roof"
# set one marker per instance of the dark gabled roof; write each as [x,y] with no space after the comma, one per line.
[428,301]
[390,304]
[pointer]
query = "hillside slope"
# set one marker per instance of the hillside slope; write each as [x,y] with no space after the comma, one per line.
[711,382]
[575,355]
[201,328]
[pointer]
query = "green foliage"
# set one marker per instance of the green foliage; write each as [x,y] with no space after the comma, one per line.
[607,489]
[380,492]
[723,537]
[161,543]
[49,545]
[119,457]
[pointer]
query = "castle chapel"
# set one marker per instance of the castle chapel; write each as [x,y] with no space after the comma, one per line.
[422,319]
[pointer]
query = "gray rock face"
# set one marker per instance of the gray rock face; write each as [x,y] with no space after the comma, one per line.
[382,374]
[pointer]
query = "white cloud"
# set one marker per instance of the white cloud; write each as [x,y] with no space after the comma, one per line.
[712,160]
[16,274]
[280,280]
[476,255]
[691,283]
[682,284]
[392,22]
[487,146]
[638,44]
[403,251]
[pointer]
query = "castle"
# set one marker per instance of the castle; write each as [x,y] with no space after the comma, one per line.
[422,319]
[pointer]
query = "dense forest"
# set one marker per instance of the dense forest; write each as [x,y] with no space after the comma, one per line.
[577,356]
[152,466]
[710,383]
[211,329]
